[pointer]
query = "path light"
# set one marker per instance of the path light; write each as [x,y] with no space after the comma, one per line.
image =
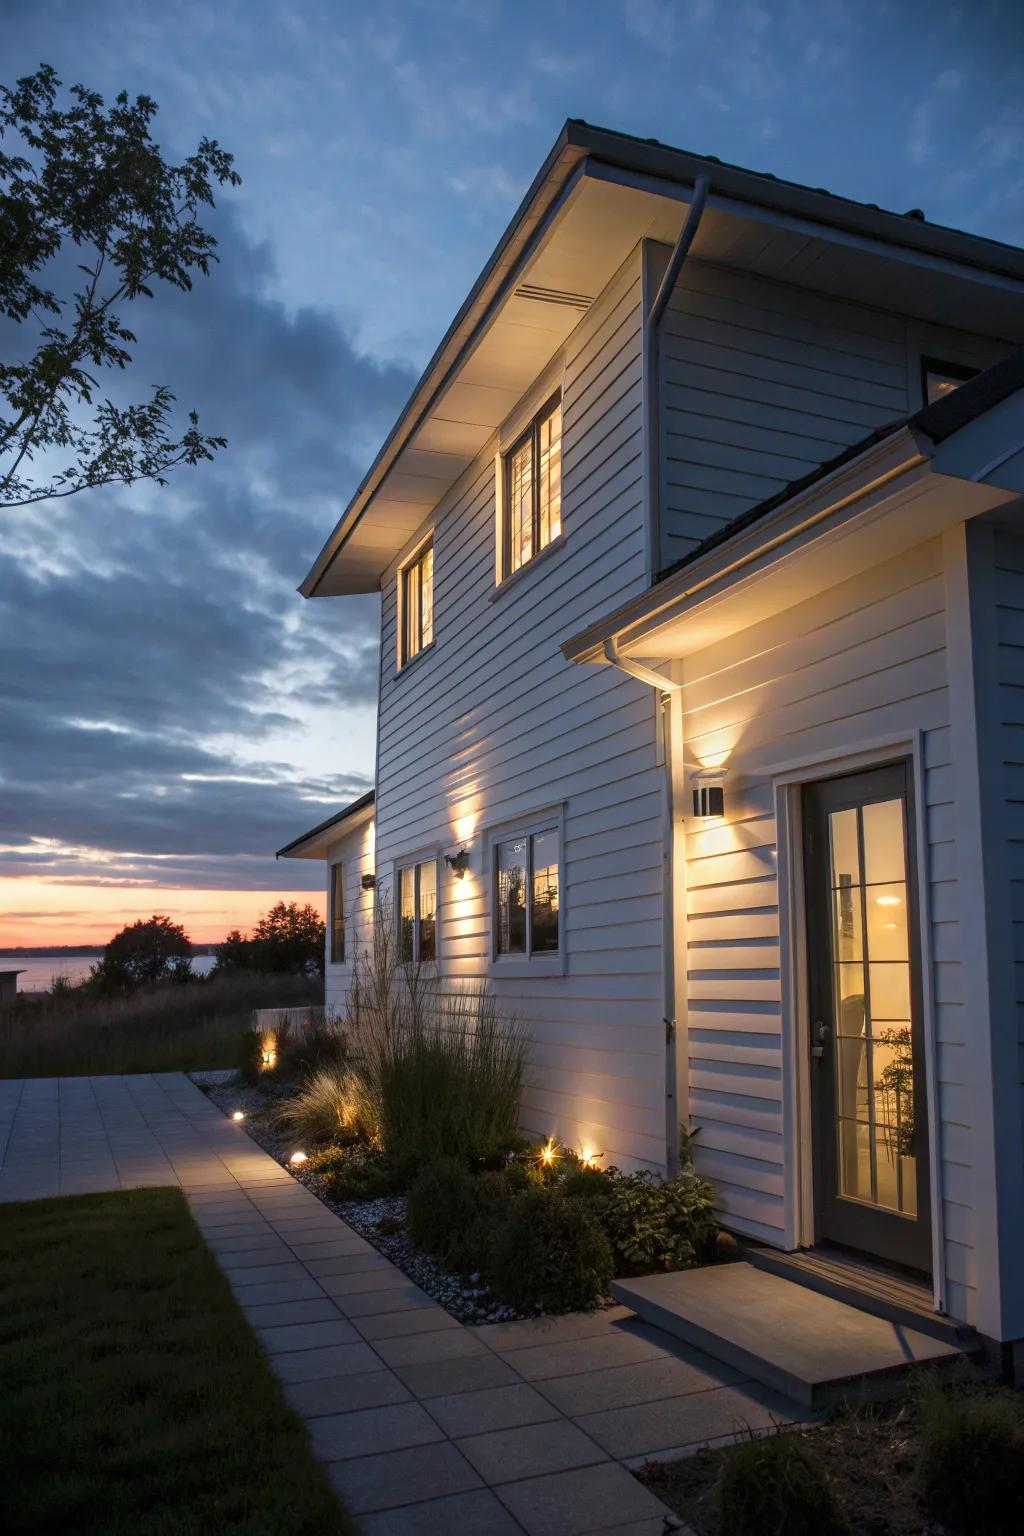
[297,1159]
[238,1115]
[548,1153]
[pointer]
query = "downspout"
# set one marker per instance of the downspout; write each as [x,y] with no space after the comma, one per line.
[657,679]
[667,724]
[680,251]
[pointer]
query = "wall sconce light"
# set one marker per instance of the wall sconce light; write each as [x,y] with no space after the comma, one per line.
[709,794]
[458,863]
[369,882]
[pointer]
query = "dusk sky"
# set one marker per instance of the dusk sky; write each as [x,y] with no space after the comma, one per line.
[171,711]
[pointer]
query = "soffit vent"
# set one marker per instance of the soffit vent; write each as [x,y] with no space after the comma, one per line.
[553,296]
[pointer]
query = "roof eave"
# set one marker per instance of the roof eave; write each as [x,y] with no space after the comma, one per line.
[314,843]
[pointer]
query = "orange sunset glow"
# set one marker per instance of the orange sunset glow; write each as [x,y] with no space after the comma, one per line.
[38,912]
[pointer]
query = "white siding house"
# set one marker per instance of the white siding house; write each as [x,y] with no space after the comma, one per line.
[700,742]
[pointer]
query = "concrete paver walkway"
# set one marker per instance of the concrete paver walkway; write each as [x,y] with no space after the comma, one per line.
[426,1425]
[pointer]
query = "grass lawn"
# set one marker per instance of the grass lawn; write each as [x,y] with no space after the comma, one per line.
[135,1398]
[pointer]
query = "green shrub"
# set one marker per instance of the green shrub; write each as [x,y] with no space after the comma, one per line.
[550,1255]
[652,1224]
[971,1466]
[775,1487]
[584,1183]
[455,1214]
[354,1172]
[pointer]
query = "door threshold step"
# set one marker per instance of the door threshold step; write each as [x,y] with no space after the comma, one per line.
[867,1286]
[811,1347]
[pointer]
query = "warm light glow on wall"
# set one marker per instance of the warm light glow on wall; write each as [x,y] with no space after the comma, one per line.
[268,1052]
[465,816]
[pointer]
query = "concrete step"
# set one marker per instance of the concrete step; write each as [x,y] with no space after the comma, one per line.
[866,1287]
[813,1348]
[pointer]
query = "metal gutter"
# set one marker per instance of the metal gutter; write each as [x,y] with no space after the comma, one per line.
[673,592]
[359,809]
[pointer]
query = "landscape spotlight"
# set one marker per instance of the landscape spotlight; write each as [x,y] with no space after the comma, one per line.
[297,1159]
[238,1115]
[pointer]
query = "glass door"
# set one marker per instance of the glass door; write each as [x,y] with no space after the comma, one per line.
[867,1068]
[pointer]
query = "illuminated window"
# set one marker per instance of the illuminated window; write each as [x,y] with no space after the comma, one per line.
[941,379]
[417,912]
[337,914]
[527,895]
[533,490]
[417,581]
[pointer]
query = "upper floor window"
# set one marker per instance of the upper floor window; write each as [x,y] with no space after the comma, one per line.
[940,379]
[417,911]
[417,591]
[527,894]
[533,489]
[337,914]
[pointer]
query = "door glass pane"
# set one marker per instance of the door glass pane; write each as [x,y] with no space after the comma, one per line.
[406,912]
[883,842]
[873,1056]
[845,852]
[544,911]
[887,922]
[428,910]
[890,991]
[855,1159]
[849,939]
[511,898]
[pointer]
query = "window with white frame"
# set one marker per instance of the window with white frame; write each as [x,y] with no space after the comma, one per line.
[337,914]
[417,595]
[532,490]
[417,911]
[527,875]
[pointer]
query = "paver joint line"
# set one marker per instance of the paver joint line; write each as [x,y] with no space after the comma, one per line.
[384,1384]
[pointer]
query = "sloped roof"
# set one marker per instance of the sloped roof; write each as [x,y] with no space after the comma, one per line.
[295,849]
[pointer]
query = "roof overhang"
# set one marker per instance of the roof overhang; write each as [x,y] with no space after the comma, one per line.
[316,843]
[596,196]
[893,496]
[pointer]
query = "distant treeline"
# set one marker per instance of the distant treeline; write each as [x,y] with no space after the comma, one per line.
[80,951]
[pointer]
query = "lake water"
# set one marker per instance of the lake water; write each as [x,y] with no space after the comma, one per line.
[38,971]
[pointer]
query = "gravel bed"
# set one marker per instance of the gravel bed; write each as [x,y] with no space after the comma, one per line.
[467,1302]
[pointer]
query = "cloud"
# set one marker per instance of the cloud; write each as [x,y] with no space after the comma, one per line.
[162,679]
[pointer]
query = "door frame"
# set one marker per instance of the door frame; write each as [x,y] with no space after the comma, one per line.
[788,779]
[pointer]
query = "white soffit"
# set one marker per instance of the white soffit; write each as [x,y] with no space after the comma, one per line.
[597,226]
[885,524]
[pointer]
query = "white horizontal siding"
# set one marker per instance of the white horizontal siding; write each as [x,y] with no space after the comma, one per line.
[1009,670]
[355,852]
[493,723]
[858,662]
[761,381]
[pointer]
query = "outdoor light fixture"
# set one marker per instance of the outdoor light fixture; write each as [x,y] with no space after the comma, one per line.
[369,882]
[238,1115]
[458,863]
[548,1154]
[297,1159]
[708,794]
